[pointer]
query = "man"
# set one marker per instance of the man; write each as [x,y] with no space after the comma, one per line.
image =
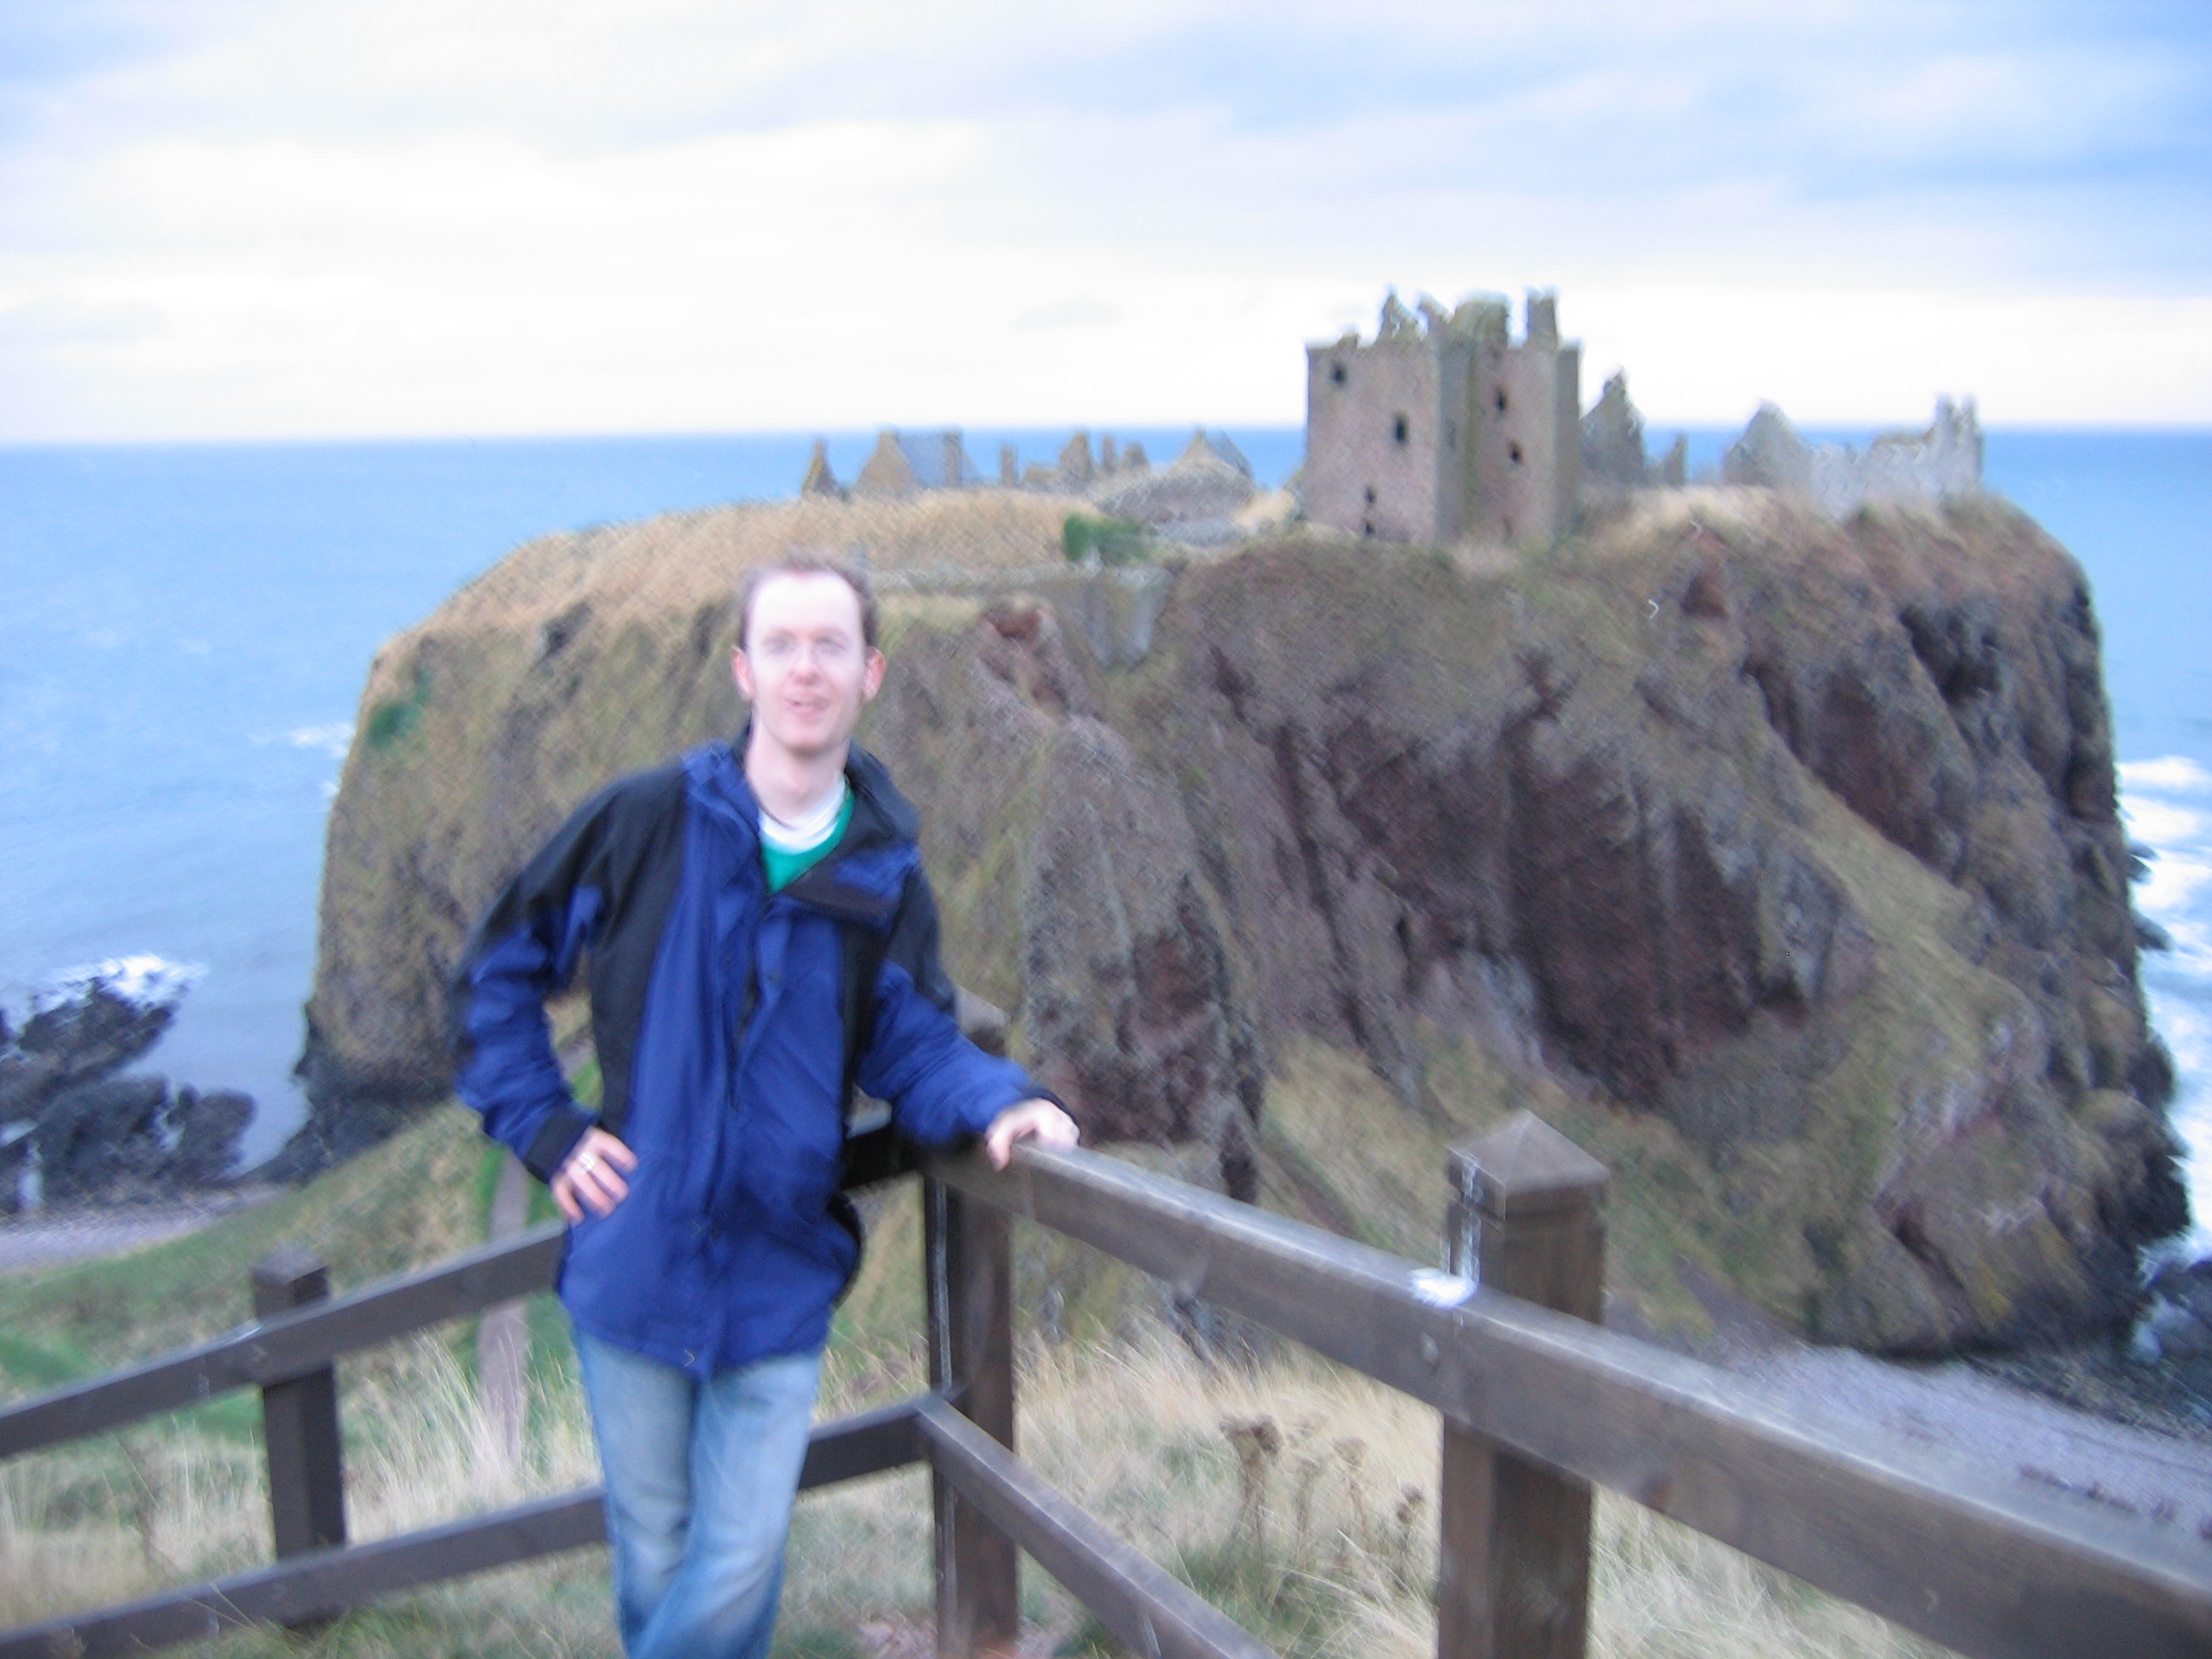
[761,940]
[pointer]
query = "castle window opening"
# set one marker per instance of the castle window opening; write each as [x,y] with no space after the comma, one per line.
[1400,430]
[1336,373]
[1501,400]
[1513,454]
[1371,495]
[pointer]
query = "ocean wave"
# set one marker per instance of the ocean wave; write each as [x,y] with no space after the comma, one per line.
[2175,835]
[144,980]
[2169,892]
[2164,805]
[2159,823]
[2184,1023]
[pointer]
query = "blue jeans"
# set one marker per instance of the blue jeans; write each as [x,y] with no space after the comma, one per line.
[700,1479]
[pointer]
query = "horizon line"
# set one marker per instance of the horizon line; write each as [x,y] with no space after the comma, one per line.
[1652,425]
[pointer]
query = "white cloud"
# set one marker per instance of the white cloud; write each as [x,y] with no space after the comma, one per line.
[484,216]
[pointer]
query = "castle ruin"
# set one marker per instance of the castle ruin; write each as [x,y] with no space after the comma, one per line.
[905,463]
[1943,460]
[1444,428]
[1613,461]
[1194,499]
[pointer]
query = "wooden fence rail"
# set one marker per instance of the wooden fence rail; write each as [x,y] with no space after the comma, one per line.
[313,1586]
[282,1346]
[1996,1568]
[1539,1404]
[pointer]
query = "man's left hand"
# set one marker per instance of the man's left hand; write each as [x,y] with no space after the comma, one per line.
[1029,1120]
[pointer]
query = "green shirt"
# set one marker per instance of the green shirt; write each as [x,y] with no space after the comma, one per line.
[784,868]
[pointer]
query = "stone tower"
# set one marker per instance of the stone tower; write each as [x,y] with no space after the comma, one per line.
[1444,428]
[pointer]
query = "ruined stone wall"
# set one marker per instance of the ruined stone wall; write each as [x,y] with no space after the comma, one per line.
[1385,439]
[1943,462]
[1528,453]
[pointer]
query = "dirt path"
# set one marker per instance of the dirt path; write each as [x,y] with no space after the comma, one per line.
[2166,1478]
[1963,1410]
[45,1240]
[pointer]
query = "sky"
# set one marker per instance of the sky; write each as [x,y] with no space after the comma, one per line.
[321,218]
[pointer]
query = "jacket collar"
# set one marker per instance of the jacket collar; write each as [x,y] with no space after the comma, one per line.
[884,821]
[880,813]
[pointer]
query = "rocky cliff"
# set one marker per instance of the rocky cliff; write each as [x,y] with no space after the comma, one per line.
[1776,859]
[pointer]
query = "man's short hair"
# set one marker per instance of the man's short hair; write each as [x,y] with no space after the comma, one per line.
[807,564]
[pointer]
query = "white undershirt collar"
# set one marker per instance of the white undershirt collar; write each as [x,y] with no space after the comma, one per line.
[811,831]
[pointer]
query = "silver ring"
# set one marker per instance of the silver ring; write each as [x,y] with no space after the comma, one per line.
[588,1160]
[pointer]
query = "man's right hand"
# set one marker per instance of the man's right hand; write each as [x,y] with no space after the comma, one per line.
[591,1176]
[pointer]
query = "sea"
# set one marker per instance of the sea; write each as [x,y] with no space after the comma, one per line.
[184,629]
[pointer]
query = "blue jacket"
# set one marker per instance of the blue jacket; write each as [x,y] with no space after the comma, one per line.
[730,1031]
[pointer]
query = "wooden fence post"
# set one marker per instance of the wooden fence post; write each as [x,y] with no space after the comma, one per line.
[1513,1548]
[300,1419]
[967,1251]
[503,1341]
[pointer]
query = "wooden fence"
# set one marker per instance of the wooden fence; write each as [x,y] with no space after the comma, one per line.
[1539,1406]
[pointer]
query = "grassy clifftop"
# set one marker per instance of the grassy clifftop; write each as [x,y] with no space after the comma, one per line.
[1774,860]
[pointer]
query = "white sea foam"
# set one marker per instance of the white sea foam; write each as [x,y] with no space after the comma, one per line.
[148,981]
[2171,889]
[2166,813]
[2179,837]
[2169,774]
[2186,1026]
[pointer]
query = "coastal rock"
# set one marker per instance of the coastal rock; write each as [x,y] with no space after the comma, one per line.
[208,1127]
[95,1022]
[71,1133]
[128,1139]
[102,1141]
[1777,855]
[16,1166]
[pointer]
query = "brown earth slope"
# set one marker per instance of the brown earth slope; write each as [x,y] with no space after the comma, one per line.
[1778,860]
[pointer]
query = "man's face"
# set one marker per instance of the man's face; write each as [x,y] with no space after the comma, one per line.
[803,664]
